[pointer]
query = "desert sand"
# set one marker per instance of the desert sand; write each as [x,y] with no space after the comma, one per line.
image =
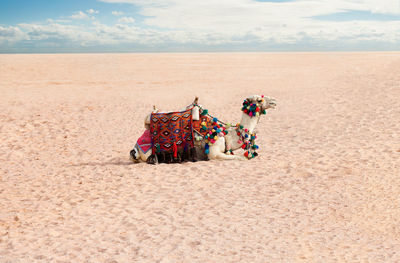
[325,188]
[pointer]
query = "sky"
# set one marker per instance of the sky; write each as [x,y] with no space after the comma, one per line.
[58,26]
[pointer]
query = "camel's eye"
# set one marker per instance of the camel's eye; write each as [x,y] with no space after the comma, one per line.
[259,100]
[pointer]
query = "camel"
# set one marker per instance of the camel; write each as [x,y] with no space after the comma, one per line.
[240,136]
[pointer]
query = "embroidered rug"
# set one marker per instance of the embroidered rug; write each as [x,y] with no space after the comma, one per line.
[170,130]
[144,142]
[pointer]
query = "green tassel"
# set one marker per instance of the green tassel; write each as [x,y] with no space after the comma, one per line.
[204,112]
[158,150]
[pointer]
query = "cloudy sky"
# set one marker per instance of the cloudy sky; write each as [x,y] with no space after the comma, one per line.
[192,25]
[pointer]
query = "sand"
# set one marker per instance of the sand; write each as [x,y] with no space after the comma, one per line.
[325,188]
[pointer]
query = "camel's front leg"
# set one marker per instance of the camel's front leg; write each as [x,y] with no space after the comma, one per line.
[223,156]
[217,152]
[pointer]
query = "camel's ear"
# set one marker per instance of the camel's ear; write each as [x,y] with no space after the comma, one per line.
[196,100]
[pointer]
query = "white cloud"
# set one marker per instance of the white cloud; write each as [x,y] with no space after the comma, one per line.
[126,19]
[11,34]
[227,21]
[58,20]
[99,33]
[79,15]
[117,13]
[92,11]
[224,23]
[55,31]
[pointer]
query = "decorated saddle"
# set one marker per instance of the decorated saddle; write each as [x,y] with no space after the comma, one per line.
[172,136]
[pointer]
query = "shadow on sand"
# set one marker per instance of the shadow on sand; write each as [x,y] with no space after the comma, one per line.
[113,161]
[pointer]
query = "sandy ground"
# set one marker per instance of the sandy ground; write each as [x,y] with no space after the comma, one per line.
[325,188]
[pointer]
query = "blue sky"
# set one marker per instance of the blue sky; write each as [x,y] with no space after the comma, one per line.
[52,26]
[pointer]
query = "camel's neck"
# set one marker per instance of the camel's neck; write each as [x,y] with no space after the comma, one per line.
[234,141]
[248,122]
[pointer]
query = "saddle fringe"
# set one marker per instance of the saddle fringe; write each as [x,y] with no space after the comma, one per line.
[185,155]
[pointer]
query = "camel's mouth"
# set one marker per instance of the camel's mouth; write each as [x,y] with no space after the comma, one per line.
[271,104]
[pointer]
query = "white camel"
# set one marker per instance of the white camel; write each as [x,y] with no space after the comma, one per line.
[223,147]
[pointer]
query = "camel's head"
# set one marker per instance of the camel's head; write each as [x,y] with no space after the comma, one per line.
[264,102]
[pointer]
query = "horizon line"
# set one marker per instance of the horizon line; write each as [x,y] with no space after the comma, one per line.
[204,52]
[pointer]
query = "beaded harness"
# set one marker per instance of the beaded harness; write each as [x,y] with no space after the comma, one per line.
[219,129]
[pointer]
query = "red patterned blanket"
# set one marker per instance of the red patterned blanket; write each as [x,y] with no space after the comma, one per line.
[171,131]
[144,142]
